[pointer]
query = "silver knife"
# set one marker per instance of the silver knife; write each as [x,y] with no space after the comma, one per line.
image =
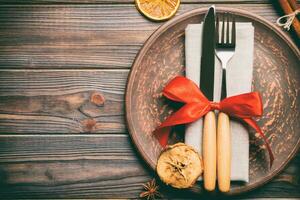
[207,87]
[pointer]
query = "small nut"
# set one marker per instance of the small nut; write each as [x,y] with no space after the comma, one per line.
[179,166]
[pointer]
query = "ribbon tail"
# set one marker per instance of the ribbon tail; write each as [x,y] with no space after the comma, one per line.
[162,135]
[188,113]
[253,124]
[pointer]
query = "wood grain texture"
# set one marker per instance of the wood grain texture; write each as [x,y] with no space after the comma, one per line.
[59,35]
[64,101]
[81,36]
[124,1]
[69,167]
[92,166]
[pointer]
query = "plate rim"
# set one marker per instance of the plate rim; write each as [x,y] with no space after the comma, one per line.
[145,47]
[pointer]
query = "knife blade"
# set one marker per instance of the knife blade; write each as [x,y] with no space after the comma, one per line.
[208,55]
[207,87]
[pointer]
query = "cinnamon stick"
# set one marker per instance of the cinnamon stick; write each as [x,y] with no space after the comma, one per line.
[287,9]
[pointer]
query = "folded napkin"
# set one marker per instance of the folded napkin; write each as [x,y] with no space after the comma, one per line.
[239,73]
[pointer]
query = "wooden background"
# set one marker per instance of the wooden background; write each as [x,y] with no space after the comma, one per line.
[63,71]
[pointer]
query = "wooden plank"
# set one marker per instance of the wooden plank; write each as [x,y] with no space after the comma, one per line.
[69,167]
[124,1]
[81,36]
[97,17]
[62,101]
[89,51]
[92,166]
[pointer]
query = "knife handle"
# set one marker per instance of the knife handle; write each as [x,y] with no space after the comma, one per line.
[209,151]
[224,152]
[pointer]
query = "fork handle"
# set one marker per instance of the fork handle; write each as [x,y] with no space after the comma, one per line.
[209,151]
[223,152]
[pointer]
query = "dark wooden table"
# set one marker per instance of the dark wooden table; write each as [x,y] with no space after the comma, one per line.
[63,70]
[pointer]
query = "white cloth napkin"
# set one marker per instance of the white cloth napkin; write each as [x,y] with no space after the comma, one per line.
[239,78]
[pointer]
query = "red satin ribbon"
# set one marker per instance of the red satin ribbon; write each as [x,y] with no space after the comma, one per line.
[181,89]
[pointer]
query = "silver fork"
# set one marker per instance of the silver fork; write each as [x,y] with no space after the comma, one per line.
[225,45]
[225,48]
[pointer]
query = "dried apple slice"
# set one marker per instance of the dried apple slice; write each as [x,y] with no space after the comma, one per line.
[179,166]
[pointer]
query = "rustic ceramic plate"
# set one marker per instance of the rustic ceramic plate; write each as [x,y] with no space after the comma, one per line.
[276,76]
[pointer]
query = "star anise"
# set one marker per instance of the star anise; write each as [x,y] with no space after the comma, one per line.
[151,190]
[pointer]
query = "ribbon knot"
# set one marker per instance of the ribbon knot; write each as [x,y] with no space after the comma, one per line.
[180,89]
[215,106]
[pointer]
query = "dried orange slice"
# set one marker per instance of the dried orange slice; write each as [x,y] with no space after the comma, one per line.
[158,9]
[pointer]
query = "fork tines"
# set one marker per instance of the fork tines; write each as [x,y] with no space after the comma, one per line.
[223,39]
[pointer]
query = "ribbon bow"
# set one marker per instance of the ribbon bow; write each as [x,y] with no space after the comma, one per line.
[181,89]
